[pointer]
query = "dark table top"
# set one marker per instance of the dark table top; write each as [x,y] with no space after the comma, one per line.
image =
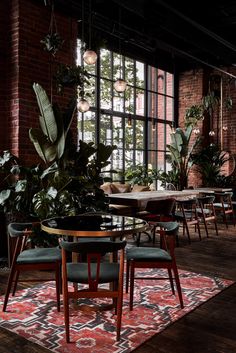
[94,225]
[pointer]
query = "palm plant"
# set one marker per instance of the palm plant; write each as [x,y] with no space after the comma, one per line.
[209,162]
[180,149]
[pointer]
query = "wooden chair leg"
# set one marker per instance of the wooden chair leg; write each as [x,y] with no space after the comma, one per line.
[9,284]
[58,285]
[178,285]
[15,282]
[66,312]
[127,277]
[171,281]
[131,296]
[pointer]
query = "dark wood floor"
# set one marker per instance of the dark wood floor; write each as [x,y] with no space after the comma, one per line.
[211,328]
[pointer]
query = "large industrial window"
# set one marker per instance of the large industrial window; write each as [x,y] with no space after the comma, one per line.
[137,121]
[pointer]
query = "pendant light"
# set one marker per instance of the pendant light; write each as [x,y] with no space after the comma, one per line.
[83,105]
[120,84]
[90,56]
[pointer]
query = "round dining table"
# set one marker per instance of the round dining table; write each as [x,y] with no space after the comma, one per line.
[94,225]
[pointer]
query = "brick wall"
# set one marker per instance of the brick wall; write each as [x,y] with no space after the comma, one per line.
[25,62]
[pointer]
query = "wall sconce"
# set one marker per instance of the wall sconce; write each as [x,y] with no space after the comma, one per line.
[90,56]
[224,128]
[212,133]
[83,105]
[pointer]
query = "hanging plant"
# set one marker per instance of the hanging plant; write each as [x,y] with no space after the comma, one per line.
[52,42]
[72,76]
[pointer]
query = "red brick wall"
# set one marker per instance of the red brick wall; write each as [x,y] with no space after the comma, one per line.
[193,86]
[4,71]
[25,63]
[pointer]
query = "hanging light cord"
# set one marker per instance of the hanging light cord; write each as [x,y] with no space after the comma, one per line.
[90,23]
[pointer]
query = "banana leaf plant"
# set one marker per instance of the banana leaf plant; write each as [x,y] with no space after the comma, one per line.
[71,178]
[182,146]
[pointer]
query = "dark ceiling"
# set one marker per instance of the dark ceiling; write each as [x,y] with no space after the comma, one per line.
[164,32]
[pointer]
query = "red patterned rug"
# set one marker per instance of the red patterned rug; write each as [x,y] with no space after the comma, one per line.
[32,314]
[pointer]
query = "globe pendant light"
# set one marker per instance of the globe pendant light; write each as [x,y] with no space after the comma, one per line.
[120,84]
[90,56]
[83,105]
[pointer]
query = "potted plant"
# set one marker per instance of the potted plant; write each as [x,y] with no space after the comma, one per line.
[180,149]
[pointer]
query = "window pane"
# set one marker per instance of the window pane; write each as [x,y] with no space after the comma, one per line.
[161,81]
[106,129]
[129,100]
[161,136]
[161,110]
[105,58]
[139,134]
[117,132]
[117,66]
[169,108]
[86,126]
[169,84]
[118,101]
[89,89]
[139,74]
[129,71]
[105,93]
[140,102]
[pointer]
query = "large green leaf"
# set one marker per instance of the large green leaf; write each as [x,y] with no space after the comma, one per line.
[4,196]
[47,119]
[46,150]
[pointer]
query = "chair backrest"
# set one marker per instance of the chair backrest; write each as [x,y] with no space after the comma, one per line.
[204,200]
[19,229]
[95,247]
[170,186]
[169,233]
[162,207]
[223,196]
[93,252]
[20,232]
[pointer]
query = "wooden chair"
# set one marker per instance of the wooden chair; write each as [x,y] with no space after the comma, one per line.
[31,260]
[157,211]
[223,206]
[206,212]
[187,214]
[93,272]
[145,257]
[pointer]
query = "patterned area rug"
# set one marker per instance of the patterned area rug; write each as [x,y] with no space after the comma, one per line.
[32,314]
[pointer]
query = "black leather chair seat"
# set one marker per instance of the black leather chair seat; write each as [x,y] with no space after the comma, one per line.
[40,255]
[78,272]
[147,254]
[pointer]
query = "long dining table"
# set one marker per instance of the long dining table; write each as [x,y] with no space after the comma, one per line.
[138,200]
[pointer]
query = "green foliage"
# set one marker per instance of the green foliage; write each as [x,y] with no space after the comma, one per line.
[71,76]
[210,161]
[180,149]
[69,181]
[52,42]
[140,175]
[18,185]
[49,141]
[170,177]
